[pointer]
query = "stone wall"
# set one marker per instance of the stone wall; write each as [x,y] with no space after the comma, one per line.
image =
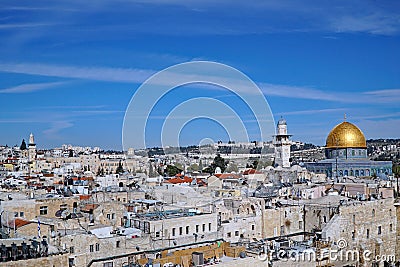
[51,261]
[367,225]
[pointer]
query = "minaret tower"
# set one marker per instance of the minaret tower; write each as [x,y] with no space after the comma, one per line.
[282,145]
[32,148]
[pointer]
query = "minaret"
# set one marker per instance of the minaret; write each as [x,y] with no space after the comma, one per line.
[32,148]
[282,145]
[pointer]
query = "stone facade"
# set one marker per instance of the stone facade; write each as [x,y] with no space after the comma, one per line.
[367,225]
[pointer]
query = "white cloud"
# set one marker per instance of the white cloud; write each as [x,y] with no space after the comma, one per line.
[311,111]
[23,25]
[126,75]
[28,88]
[91,73]
[56,127]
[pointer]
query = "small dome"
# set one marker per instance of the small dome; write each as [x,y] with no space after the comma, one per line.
[346,135]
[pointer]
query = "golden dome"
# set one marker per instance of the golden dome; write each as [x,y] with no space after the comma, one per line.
[346,135]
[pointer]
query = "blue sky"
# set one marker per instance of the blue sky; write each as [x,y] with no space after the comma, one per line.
[68,69]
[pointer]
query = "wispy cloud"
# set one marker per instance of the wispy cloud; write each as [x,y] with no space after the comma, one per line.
[125,75]
[29,88]
[384,96]
[377,23]
[311,111]
[91,73]
[23,25]
[266,17]
[303,92]
[56,127]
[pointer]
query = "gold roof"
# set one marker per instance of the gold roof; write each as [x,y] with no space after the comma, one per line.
[346,135]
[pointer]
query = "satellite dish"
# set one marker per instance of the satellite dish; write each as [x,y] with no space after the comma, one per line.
[65,214]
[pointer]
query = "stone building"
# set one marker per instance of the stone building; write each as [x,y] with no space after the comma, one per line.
[41,206]
[176,226]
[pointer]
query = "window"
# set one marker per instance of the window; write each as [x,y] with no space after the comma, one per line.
[71,250]
[187,230]
[180,231]
[209,227]
[117,244]
[379,230]
[173,231]
[157,234]
[113,216]
[21,214]
[108,216]
[354,218]
[204,227]
[229,234]
[97,246]
[197,228]
[353,235]
[236,233]
[91,248]
[108,264]
[63,206]
[253,227]
[367,233]
[15,214]
[43,210]
[390,227]
[300,224]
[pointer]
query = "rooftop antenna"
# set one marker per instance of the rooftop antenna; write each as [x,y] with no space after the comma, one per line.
[345,117]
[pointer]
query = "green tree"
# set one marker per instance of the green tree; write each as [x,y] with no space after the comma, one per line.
[178,165]
[396,171]
[217,162]
[194,167]
[172,170]
[23,145]
[119,169]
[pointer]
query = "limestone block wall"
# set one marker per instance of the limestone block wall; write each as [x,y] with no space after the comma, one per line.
[242,227]
[282,221]
[53,261]
[368,225]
